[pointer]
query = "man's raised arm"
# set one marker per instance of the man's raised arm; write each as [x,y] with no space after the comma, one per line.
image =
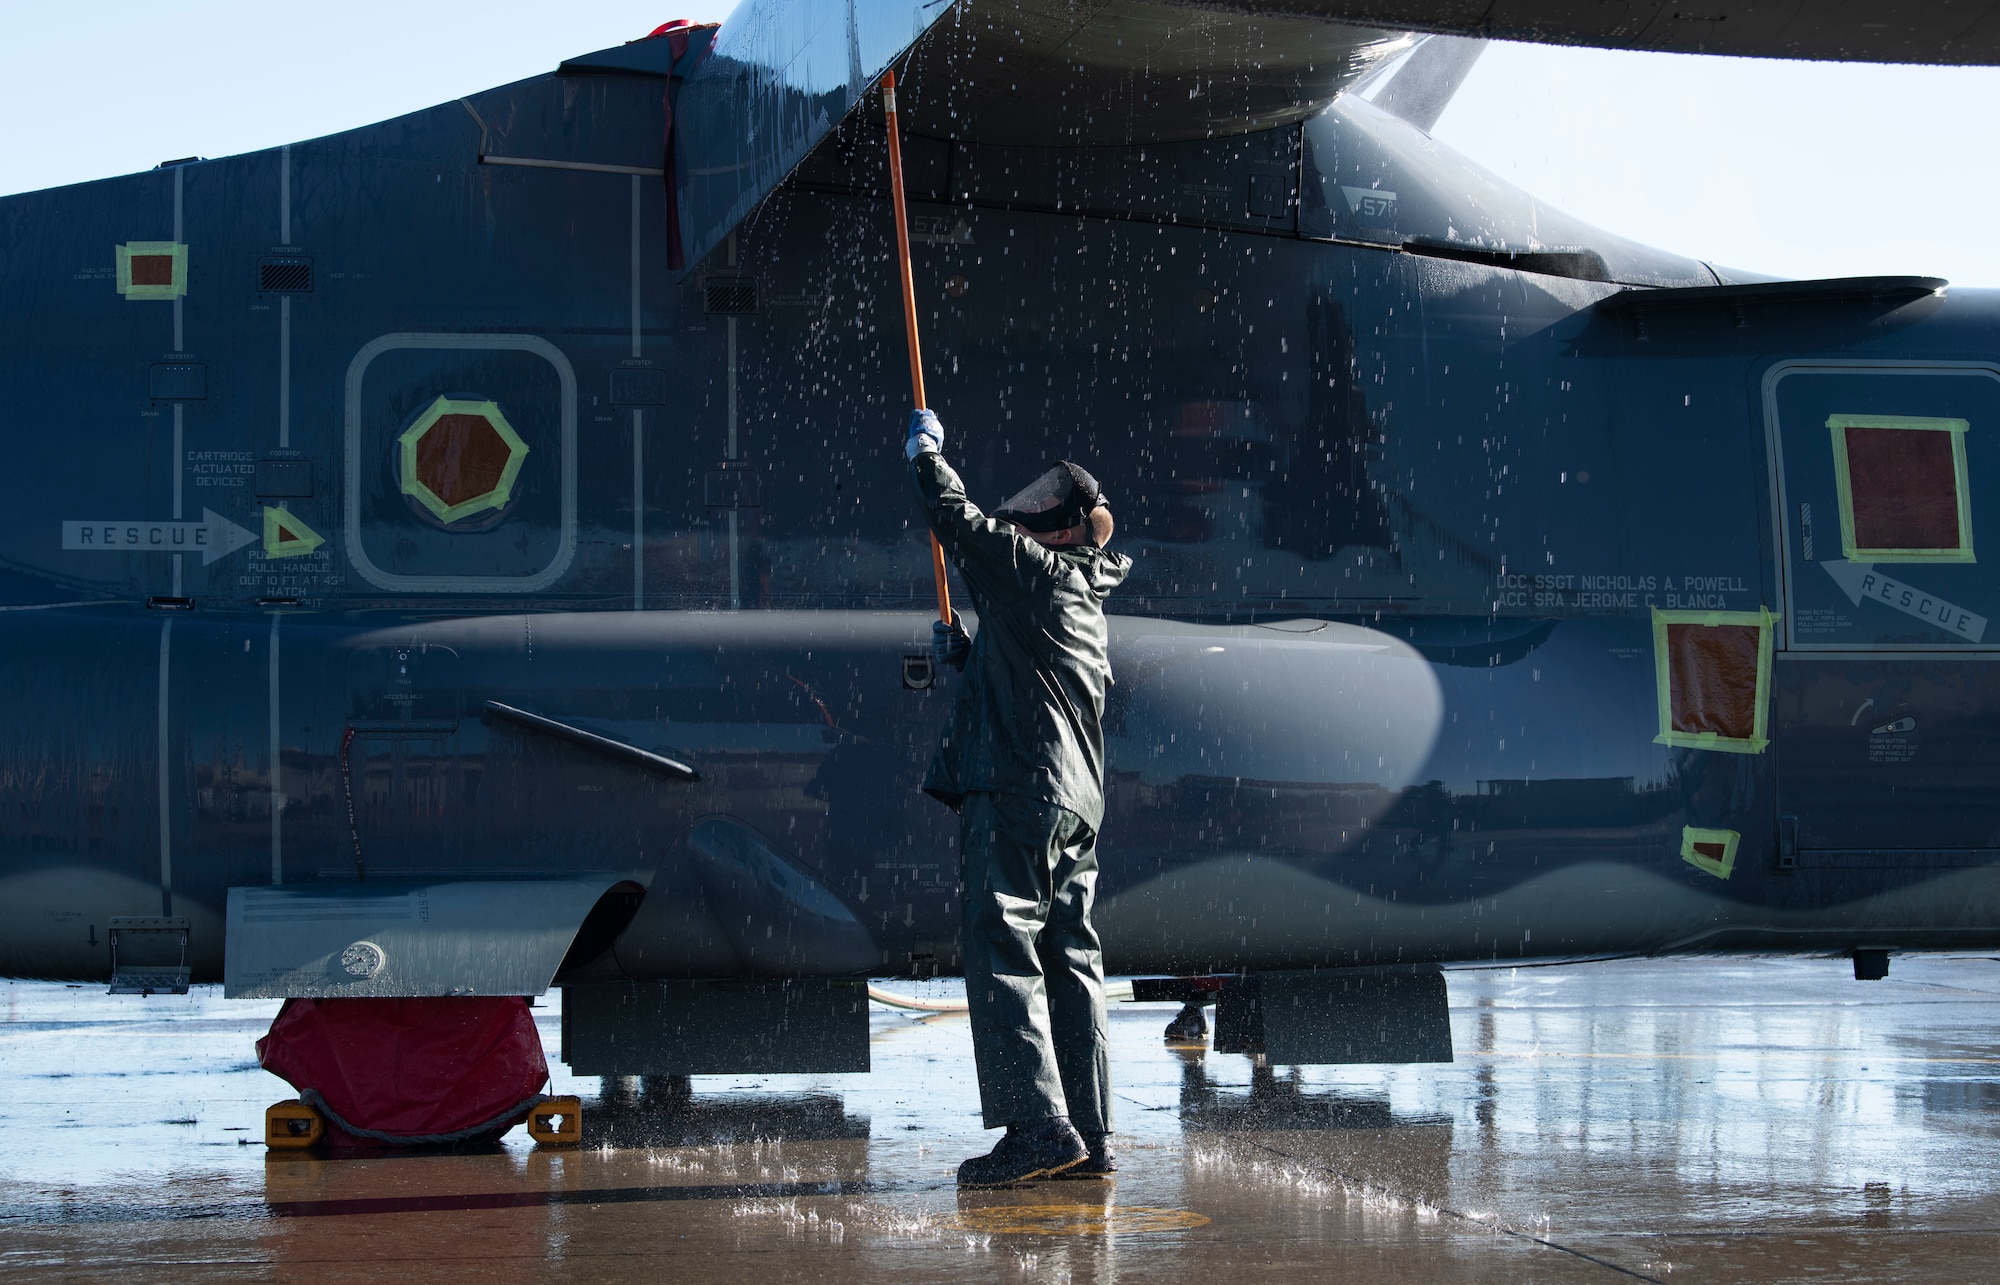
[994,560]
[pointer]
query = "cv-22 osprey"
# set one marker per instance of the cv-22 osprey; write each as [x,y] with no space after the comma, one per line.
[472,553]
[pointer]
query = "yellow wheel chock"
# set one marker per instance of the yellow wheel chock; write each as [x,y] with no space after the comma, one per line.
[556,1122]
[291,1125]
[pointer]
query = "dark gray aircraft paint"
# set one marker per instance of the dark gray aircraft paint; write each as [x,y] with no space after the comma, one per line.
[384,511]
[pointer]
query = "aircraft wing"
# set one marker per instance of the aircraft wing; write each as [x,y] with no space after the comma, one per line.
[1055,73]
[781,75]
[1912,31]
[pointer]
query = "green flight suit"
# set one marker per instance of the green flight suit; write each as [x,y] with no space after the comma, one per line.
[1024,764]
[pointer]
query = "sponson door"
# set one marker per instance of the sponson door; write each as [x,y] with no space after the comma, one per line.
[1886,691]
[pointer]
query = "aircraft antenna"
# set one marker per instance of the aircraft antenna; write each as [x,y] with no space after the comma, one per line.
[910,307]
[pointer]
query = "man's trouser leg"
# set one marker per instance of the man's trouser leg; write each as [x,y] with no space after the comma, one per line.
[1073,972]
[1012,849]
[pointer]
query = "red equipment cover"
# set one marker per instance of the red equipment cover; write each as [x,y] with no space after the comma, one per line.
[410,1070]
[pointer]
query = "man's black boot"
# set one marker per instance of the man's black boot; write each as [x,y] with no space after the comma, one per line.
[1031,1149]
[1100,1163]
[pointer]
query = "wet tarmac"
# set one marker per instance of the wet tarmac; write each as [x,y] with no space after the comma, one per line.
[1690,1120]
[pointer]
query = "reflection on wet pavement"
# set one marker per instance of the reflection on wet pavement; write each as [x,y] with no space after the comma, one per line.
[667,1112]
[1706,1119]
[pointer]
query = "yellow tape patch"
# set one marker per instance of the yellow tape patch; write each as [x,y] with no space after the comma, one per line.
[1713,673]
[1074,1220]
[152,269]
[1710,850]
[287,537]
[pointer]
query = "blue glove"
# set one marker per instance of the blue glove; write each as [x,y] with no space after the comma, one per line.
[926,434]
[950,644]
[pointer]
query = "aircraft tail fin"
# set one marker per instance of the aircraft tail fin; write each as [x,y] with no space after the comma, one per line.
[1420,86]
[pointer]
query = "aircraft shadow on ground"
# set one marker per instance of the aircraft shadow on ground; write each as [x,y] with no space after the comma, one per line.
[662,1112]
[1277,1103]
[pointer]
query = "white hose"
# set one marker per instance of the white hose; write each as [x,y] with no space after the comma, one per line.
[893,1000]
[890,999]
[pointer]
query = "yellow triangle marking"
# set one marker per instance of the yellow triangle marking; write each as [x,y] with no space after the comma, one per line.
[287,537]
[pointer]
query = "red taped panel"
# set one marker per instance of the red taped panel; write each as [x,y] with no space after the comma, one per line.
[1712,671]
[462,457]
[1905,488]
[1712,851]
[414,1068]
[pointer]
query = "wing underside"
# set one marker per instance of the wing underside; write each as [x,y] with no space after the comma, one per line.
[1911,31]
[1123,73]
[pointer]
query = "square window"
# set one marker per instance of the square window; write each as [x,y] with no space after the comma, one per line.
[1904,494]
[1710,850]
[1714,674]
[152,269]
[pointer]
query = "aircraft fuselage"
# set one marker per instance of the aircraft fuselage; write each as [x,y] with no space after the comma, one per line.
[322,451]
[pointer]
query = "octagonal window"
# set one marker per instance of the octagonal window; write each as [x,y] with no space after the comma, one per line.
[460,458]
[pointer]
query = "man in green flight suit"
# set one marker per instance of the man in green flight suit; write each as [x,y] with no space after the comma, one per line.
[1023,764]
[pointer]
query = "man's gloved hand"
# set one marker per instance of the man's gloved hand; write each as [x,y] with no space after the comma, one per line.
[926,434]
[950,644]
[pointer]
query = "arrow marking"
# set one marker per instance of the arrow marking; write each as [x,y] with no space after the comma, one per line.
[213,537]
[1860,580]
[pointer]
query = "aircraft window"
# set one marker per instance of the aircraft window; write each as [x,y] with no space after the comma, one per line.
[461,458]
[1903,488]
[455,493]
[1710,850]
[152,269]
[1714,675]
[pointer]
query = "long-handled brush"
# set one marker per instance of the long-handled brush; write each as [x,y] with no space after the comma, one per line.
[910,307]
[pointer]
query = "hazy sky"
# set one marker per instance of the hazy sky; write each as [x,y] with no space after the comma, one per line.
[1794,169]
[1788,168]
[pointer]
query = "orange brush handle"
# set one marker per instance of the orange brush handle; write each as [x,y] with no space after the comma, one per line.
[910,306]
